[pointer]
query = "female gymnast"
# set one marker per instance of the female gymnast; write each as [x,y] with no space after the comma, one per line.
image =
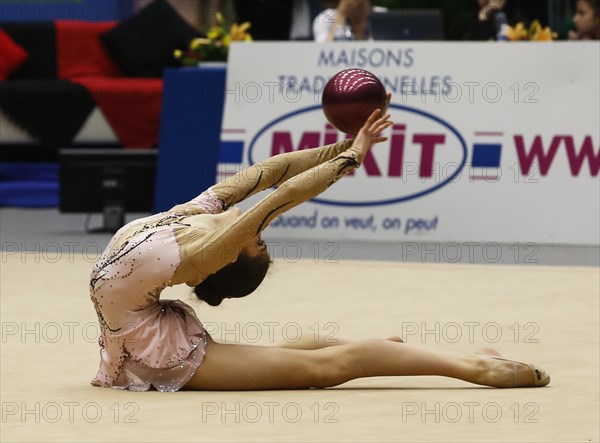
[209,245]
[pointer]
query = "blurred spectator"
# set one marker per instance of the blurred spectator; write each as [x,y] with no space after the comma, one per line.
[490,15]
[269,19]
[303,13]
[488,20]
[349,21]
[189,10]
[587,21]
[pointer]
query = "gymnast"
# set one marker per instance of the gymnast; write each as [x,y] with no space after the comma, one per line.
[208,244]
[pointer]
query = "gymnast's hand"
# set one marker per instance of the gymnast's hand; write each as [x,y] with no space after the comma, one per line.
[369,133]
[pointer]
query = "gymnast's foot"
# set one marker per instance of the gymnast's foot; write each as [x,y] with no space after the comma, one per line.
[503,373]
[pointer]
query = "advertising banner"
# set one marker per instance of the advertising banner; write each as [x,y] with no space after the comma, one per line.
[491,141]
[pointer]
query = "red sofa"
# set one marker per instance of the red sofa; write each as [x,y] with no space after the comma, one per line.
[59,87]
[67,84]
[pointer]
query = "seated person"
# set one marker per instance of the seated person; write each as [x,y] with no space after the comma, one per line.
[587,21]
[349,21]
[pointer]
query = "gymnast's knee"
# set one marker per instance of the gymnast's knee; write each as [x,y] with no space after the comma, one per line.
[329,369]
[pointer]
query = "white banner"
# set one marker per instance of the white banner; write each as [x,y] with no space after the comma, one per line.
[491,142]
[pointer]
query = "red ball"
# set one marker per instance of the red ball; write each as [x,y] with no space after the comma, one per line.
[350,97]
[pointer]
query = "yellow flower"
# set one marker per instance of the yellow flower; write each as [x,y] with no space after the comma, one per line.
[227,41]
[535,32]
[238,32]
[197,42]
[545,34]
[216,44]
[514,33]
[213,34]
[520,31]
[534,29]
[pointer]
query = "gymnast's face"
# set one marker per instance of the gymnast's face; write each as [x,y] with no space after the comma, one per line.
[255,247]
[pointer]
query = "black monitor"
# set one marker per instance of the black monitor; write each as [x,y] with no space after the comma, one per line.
[109,181]
[408,24]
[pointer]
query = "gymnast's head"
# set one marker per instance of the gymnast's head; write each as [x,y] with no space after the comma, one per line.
[239,278]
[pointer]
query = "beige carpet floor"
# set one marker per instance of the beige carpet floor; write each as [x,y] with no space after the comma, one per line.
[546,315]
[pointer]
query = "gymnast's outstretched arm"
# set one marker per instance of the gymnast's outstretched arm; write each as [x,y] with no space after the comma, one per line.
[271,172]
[266,174]
[274,171]
[222,246]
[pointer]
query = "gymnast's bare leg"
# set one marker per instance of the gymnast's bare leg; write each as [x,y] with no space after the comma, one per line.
[241,367]
[310,342]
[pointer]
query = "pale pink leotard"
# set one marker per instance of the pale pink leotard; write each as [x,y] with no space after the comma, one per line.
[149,342]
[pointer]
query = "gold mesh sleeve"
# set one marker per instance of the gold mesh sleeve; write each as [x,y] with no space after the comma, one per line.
[272,172]
[216,249]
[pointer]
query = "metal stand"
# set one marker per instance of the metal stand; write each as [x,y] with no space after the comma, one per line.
[113,218]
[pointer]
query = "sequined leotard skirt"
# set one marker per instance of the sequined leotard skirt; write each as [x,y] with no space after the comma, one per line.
[144,341]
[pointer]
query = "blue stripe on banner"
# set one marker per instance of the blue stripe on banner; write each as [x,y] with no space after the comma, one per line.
[231,152]
[486,155]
